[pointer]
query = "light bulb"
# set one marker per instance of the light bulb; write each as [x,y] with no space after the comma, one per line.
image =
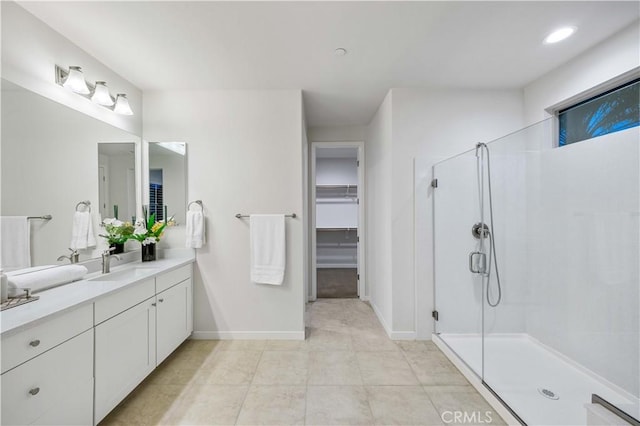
[122,105]
[75,81]
[559,35]
[101,94]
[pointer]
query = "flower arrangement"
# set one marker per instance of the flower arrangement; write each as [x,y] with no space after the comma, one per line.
[117,231]
[149,231]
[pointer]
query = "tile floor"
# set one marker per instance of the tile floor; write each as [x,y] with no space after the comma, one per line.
[347,372]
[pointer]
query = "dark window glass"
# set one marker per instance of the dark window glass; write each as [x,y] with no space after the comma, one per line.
[615,110]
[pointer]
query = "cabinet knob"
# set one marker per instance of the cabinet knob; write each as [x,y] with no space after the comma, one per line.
[34,391]
[160,300]
[153,304]
[34,343]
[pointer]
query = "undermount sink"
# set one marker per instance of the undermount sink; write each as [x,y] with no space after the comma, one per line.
[126,274]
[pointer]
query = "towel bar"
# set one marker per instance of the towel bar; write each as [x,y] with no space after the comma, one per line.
[85,203]
[44,217]
[198,202]
[240,216]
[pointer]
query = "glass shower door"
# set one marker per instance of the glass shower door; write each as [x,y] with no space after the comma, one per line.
[458,293]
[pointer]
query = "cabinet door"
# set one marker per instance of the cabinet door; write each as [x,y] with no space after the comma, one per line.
[125,353]
[55,388]
[174,318]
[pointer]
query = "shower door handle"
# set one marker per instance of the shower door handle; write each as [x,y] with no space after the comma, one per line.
[480,264]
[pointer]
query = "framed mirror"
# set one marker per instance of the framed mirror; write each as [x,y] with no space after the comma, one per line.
[167,180]
[49,165]
[117,181]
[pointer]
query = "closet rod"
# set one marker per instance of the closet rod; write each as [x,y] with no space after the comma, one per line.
[336,229]
[240,216]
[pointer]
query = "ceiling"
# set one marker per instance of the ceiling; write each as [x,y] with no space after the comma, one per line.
[290,45]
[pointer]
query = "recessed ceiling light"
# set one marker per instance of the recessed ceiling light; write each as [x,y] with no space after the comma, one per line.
[340,51]
[559,35]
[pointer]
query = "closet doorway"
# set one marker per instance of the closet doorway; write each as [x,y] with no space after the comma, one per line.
[337,220]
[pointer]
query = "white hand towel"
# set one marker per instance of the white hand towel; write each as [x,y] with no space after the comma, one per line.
[82,235]
[268,248]
[195,229]
[47,278]
[15,244]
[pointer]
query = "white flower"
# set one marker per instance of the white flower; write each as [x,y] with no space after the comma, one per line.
[139,230]
[108,221]
[117,223]
[149,240]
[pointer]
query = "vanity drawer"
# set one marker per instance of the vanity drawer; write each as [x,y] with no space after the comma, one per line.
[55,388]
[24,345]
[172,278]
[112,305]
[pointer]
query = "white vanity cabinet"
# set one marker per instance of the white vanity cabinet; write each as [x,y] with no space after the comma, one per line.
[173,310]
[125,347]
[53,380]
[132,340]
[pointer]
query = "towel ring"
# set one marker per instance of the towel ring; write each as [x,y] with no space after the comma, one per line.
[86,204]
[198,202]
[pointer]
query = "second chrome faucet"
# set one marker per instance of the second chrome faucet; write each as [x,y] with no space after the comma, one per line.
[106,260]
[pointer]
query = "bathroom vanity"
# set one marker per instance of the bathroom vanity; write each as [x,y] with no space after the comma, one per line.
[72,356]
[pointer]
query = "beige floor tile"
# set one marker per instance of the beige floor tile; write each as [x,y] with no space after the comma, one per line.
[334,368]
[448,389]
[385,368]
[338,405]
[241,345]
[433,368]
[229,368]
[282,368]
[273,405]
[402,405]
[208,405]
[412,345]
[327,340]
[147,405]
[372,342]
[470,403]
[284,345]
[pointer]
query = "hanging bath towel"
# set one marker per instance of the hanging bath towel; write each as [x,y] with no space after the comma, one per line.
[82,236]
[15,250]
[268,248]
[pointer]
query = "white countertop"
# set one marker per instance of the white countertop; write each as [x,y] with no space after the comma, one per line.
[60,299]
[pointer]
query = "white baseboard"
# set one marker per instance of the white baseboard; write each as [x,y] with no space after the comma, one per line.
[475,381]
[248,335]
[393,335]
[365,298]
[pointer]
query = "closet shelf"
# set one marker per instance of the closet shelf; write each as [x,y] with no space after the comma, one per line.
[336,229]
[336,186]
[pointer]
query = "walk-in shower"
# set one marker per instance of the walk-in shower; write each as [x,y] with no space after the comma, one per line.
[536,269]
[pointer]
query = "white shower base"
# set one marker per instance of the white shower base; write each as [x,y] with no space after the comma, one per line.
[516,365]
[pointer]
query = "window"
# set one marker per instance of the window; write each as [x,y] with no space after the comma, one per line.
[156,194]
[615,110]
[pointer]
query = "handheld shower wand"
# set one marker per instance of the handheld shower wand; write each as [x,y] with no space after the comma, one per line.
[481,230]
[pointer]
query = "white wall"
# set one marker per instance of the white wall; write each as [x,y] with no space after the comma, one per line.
[607,60]
[337,134]
[378,150]
[245,151]
[336,171]
[429,126]
[585,227]
[30,51]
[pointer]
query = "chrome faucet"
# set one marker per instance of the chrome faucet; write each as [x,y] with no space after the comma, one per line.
[73,257]
[106,260]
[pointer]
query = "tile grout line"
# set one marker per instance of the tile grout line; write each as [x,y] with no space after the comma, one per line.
[248,388]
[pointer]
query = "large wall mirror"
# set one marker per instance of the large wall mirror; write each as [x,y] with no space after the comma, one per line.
[51,161]
[168,180]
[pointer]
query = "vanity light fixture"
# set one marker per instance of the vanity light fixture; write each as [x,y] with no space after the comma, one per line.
[74,80]
[122,105]
[101,94]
